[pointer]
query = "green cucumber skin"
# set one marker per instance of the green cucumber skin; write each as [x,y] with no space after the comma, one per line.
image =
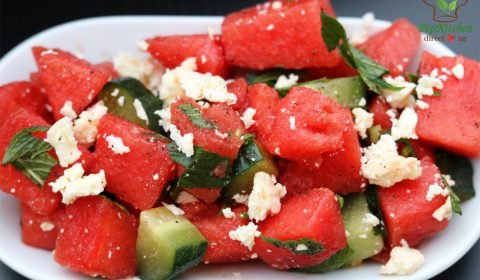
[132,89]
[167,245]
[347,91]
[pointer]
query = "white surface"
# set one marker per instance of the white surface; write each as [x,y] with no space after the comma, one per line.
[101,38]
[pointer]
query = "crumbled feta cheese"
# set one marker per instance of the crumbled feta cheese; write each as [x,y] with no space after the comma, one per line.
[156,177]
[165,118]
[291,120]
[62,139]
[183,80]
[277,151]
[142,45]
[362,236]
[174,209]
[245,234]
[184,143]
[49,51]
[270,27]
[121,101]
[221,135]
[363,121]
[284,82]
[228,213]
[449,180]
[211,33]
[458,71]
[240,198]
[362,102]
[116,145]
[434,190]
[422,104]
[247,117]
[362,35]
[400,98]
[301,247]
[404,126]
[72,184]
[444,212]
[145,70]
[370,219]
[426,86]
[276,5]
[265,196]
[115,92]
[67,110]
[403,261]
[383,165]
[185,198]
[141,114]
[47,226]
[85,127]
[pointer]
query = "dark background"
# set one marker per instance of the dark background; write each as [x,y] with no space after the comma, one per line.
[20,19]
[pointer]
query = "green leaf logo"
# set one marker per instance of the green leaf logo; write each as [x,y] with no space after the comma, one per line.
[452,6]
[443,5]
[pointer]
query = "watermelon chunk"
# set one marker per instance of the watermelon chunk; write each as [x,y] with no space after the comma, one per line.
[207,195]
[239,88]
[266,36]
[223,117]
[138,176]
[68,78]
[407,213]
[394,47]
[452,120]
[342,69]
[338,171]
[314,215]
[215,228]
[41,200]
[171,51]
[378,107]
[98,239]
[41,231]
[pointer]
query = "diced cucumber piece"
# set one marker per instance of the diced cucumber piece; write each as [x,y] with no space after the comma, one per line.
[167,245]
[120,97]
[362,237]
[252,158]
[347,91]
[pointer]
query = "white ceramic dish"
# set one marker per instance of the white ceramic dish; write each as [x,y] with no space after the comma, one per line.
[101,38]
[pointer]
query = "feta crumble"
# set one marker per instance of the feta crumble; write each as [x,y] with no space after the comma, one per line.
[444,212]
[47,226]
[284,82]
[121,101]
[426,86]
[141,114]
[458,71]
[404,126]
[247,117]
[362,102]
[241,198]
[165,118]
[403,261]
[276,5]
[73,185]
[400,98]
[301,247]
[85,127]
[383,166]
[116,145]
[228,213]
[265,196]
[142,45]
[67,110]
[61,137]
[422,104]
[145,70]
[434,190]
[370,219]
[174,209]
[185,198]
[184,143]
[291,120]
[363,121]
[270,27]
[362,35]
[245,234]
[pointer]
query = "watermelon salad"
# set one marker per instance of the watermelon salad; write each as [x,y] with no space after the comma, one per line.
[280,140]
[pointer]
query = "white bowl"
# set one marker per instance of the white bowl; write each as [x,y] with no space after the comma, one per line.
[101,38]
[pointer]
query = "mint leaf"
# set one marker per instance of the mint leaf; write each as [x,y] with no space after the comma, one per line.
[302,246]
[29,155]
[442,5]
[336,261]
[452,6]
[177,156]
[195,116]
[407,149]
[374,206]
[453,198]
[413,78]
[248,155]
[460,170]
[334,36]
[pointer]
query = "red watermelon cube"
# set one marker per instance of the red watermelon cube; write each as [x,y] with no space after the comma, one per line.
[215,228]
[271,36]
[406,210]
[98,238]
[379,107]
[239,88]
[41,231]
[452,120]
[139,175]
[314,215]
[207,195]
[171,51]
[68,78]
[394,47]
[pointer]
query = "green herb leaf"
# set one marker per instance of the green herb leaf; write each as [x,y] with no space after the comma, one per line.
[413,78]
[454,200]
[334,36]
[460,170]
[452,6]
[202,169]
[374,206]
[248,155]
[407,149]
[195,116]
[442,5]
[295,246]
[29,155]
[178,156]
[336,261]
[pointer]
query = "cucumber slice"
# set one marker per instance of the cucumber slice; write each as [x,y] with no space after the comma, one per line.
[252,158]
[119,96]
[347,91]
[362,238]
[167,245]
